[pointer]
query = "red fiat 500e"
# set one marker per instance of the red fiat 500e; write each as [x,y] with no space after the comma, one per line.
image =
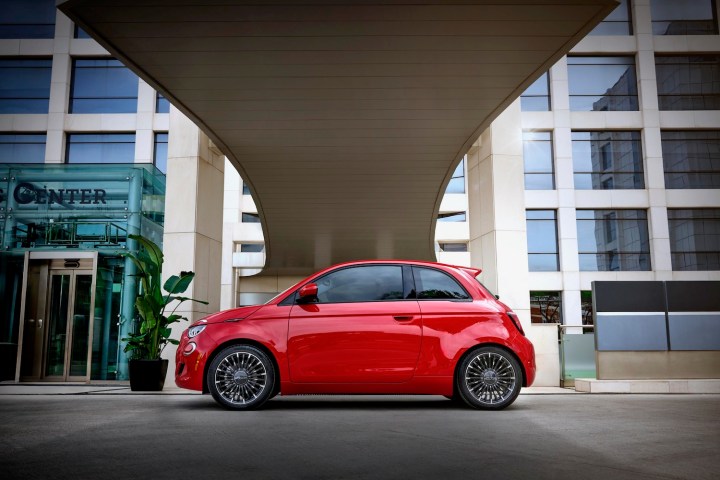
[371,327]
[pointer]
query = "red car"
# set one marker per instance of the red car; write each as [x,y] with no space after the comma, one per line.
[371,327]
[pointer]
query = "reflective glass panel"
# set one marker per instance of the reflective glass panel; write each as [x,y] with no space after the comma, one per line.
[691,159]
[160,155]
[538,158]
[361,284]
[617,23]
[252,247]
[694,239]
[27,19]
[453,247]
[57,325]
[22,148]
[452,217]
[103,86]
[537,96]
[545,307]
[607,160]
[162,105]
[688,82]
[542,241]
[24,85]
[100,148]
[613,240]
[687,17]
[80,326]
[602,83]
[457,182]
[250,218]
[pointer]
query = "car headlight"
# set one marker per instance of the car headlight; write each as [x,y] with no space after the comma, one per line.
[195,331]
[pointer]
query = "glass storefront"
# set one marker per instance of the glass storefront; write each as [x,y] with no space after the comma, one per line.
[63,229]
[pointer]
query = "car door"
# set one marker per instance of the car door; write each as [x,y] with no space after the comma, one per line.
[360,329]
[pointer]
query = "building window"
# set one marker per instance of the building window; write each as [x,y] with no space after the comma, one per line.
[538,157]
[457,182]
[691,159]
[250,218]
[103,86]
[617,23]
[586,307]
[27,19]
[80,33]
[452,247]
[100,148]
[545,307]
[25,85]
[162,105]
[537,96]
[160,153]
[452,217]
[602,83]
[542,241]
[689,17]
[613,240]
[246,189]
[252,247]
[22,148]
[694,238]
[688,82]
[607,160]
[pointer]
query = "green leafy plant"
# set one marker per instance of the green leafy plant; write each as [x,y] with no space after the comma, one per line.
[152,303]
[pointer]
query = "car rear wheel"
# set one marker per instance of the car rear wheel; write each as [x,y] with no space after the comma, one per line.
[489,378]
[241,377]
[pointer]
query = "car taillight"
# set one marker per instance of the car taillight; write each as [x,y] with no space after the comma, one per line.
[516,321]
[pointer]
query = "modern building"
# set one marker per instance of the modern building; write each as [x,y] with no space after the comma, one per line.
[606,168]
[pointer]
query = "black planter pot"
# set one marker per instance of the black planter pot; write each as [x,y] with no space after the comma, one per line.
[147,375]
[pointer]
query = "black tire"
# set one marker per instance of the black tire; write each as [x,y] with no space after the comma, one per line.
[489,378]
[241,377]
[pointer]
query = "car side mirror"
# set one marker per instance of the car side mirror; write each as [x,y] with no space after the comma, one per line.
[307,292]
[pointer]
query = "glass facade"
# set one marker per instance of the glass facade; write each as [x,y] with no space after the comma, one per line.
[27,19]
[22,147]
[602,83]
[160,152]
[691,158]
[688,82]
[452,247]
[457,182]
[617,23]
[613,240]
[100,148]
[452,217]
[102,85]
[162,105]
[607,160]
[543,255]
[250,218]
[538,158]
[537,96]
[694,238]
[70,210]
[687,17]
[25,85]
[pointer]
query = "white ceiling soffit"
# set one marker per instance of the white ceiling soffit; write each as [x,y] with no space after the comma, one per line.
[346,118]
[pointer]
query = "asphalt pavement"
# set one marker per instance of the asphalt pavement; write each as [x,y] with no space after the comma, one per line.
[107,433]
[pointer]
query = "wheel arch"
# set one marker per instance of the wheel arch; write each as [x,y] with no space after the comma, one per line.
[242,341]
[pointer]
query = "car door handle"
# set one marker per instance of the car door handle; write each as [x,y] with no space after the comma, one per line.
[403,318]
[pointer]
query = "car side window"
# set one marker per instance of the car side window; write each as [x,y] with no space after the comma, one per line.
[433,285]
[370,283]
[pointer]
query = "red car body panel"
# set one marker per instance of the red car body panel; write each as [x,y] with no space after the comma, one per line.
[401,346]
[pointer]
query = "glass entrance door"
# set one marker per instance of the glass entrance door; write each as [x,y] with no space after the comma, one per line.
[68,328]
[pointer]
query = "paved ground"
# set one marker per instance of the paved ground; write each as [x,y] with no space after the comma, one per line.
[107,436]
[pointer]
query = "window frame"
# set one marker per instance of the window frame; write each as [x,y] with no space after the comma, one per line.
[293,300]
[527,142]
[416,286]
[638,176]
[612,215]
[100,110]
[556,253]
[33,64]
[609,60]
[692,217]
[689,174]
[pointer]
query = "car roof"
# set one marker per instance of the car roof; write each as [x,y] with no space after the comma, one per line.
[470,270]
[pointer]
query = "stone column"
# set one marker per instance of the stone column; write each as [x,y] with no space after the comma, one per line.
[193,220]
[498,232]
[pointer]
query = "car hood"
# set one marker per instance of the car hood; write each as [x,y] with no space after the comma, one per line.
[232,314]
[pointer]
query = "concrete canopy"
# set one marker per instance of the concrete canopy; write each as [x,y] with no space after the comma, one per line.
[346,118]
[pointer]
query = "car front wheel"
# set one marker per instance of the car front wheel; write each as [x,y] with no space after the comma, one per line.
[241,377]
[489,378]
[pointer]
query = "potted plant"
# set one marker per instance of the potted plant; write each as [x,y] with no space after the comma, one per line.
[144,346]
